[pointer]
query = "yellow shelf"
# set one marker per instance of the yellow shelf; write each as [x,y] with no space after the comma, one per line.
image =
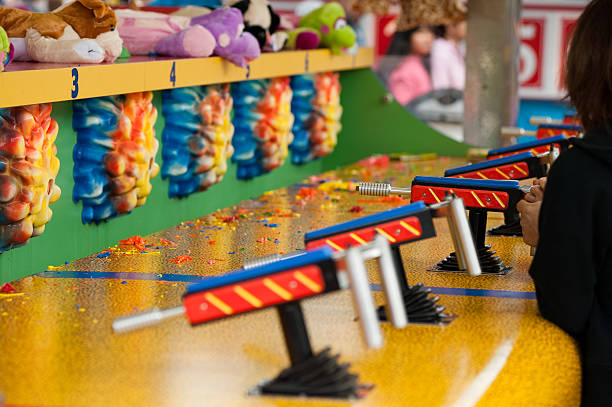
[30,83]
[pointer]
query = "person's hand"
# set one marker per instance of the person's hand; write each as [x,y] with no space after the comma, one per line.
[530,212]
[536,194]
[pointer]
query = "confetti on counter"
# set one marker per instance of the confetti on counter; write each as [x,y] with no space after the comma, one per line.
[166,242]
[180,260]
[137,241]
[306,193]
[414,157]
[336,185]
[375,161]
[7,288]
[386,199]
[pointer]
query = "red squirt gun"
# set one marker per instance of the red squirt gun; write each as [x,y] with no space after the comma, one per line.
[545,130]
[479,198]
[518,166]
[403,225]
[554,145]
[568,118]
[283,284]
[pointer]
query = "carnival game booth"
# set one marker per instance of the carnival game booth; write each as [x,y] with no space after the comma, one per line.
[125,183]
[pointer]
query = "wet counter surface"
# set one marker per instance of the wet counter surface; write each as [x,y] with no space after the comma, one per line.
[57,348]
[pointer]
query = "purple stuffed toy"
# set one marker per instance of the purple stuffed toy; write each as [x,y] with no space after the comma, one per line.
[226,25]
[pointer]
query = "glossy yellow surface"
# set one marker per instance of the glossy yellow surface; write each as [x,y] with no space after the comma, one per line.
[57,348]
[30,83]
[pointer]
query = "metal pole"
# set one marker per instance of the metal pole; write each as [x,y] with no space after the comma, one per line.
[490,97]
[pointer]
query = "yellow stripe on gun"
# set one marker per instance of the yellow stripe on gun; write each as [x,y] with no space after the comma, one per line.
[313,286]
[410,228]
[502,173]
[278,290]
[226,309]
[332,244]
[499,200]
[357,238]
[248,297]
[434,195]
[385,234]
[478,199]
[519,169]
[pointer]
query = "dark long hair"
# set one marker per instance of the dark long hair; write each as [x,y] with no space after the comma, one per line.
[399,48]
[589,65]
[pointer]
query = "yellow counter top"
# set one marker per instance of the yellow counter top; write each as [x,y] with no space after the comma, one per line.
[58,348]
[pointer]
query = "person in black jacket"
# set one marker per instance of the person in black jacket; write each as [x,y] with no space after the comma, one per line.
[572,267]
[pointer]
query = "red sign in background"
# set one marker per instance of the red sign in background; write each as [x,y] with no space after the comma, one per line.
[567,24]
[531,51]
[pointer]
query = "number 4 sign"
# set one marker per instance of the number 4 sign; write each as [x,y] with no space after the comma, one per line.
[173,74]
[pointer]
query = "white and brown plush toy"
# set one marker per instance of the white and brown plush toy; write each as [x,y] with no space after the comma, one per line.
[81,31]
[259,18]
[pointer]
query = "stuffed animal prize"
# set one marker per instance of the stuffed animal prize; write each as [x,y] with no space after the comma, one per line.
[329,21]
[259,18]
[145,33]
[80,31]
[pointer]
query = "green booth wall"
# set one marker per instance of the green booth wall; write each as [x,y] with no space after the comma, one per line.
[370,126]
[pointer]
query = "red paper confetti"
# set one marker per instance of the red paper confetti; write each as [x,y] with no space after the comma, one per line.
[166,242]
[385,199]
[7,288]
[356,209]
[136,241]
[230,219]
[306,193]
[181,259]
[375,161]
[212,242]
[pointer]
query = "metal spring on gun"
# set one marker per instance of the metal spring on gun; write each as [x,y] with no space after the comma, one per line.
[374,189]
[268,259]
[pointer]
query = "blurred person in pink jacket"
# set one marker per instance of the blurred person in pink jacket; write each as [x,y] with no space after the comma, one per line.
[410,79]
[448,58]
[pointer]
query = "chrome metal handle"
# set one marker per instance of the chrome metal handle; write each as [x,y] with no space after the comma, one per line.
[464,243]
[362,298]
[395,301]
[145,319]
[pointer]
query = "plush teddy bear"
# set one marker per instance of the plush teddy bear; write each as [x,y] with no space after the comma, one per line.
[80,31]
[145,33]
[233,43]
[259,18]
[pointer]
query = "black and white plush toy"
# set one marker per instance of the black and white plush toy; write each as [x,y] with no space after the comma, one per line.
[259,18]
